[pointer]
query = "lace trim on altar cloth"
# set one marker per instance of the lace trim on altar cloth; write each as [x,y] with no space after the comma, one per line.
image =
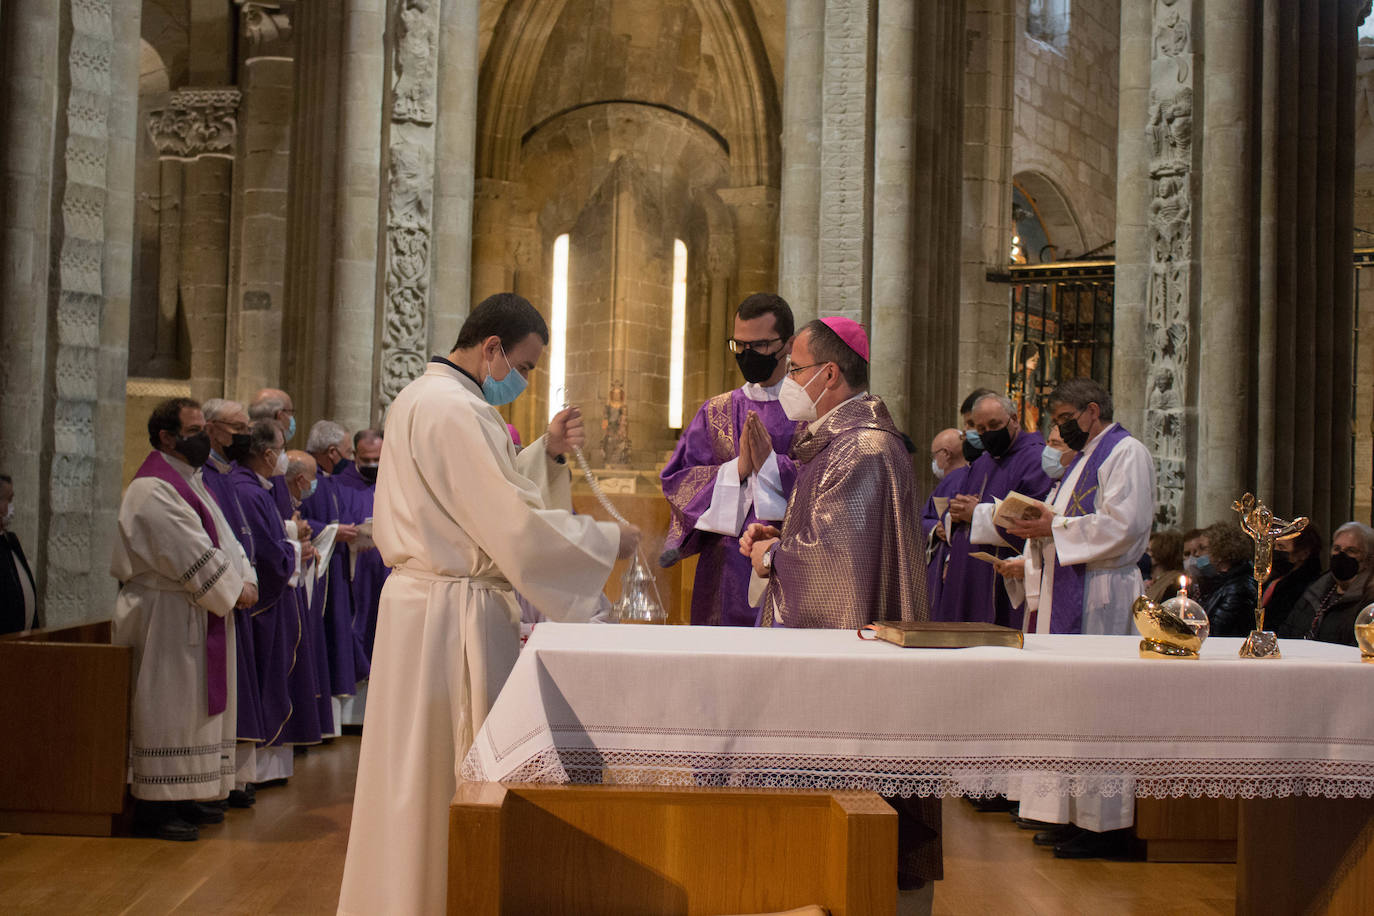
[971,777]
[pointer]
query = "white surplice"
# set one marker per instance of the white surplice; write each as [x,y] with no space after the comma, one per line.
[171,578]
[461,519]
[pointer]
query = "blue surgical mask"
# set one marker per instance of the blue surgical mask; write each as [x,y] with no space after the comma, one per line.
[1051,463]
[311,492]
[1205,567]
[291,427]
[972,437]
[503,391]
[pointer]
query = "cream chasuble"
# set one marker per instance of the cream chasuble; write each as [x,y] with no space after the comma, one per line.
[461,519]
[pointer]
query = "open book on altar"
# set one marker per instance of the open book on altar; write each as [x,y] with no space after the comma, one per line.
[1018,507]
[942,634]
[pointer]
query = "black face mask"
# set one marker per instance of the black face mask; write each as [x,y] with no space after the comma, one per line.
[1344,567]
[195,449]
[1282,565]
[341,465]
[1074,436]
[971,452]
[369,472]
[997,441]
[237,449]
[757,367]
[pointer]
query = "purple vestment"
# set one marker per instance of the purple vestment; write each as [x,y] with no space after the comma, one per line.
[274,623]
[309,676]
[369,573]
[938,548]
[1066,615]
[250,727]
[973,590]
[333,602]
[720,594]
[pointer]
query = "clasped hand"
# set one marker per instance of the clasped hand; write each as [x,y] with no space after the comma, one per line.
[1033,527]
[961,507]
[755,445]
[758,539]
[566,432]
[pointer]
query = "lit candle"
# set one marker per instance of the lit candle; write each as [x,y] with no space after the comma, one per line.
[1182,586]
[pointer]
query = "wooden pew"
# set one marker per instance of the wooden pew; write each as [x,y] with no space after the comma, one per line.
[629,849]
[64,702]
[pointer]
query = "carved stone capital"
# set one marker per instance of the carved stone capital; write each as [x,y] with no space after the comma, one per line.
[195,123]
[266,30]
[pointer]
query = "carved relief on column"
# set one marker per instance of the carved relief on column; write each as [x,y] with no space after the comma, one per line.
[1168,321]
[196,123]
[79,311]
[410,204]
[267,28]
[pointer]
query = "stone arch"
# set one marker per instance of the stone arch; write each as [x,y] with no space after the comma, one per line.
[1056,214]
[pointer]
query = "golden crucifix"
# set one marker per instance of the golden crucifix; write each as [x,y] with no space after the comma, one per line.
[1260,523]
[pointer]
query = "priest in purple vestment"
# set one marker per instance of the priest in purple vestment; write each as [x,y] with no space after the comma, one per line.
[314,684]
[849,549]
[949,467]
[731,467]
[1011,462]
[358,483]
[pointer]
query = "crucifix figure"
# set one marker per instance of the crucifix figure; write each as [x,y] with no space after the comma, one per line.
[1261,524]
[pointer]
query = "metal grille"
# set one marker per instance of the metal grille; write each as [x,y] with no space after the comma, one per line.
[1061,328]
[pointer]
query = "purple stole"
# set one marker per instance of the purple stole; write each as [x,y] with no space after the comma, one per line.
[1066,616]
[216,675]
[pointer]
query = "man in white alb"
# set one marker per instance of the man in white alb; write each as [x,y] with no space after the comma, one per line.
[462,520]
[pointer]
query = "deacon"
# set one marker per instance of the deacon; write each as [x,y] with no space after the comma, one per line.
[731,466]
[950,468]
[275,621]
[462,520]
[1010,462]
[181,573]
[847,553]
[332,602]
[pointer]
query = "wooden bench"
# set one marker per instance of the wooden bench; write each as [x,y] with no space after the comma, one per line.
[626,849]
[64,702]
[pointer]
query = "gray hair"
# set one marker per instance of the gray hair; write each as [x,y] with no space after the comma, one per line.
[1002,400]
[266,408]
[295,466]
[218,408]
[263,436]
[1365,532]
[1080,392]
[324,435]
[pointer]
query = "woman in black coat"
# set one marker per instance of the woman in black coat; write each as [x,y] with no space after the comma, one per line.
[1297,564]
[1327,610]
[1230,603]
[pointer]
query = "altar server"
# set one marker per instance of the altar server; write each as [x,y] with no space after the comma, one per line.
[949,467]
[731,467]
[461,519]
[181,573]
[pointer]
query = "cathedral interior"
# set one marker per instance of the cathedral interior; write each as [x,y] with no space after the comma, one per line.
[205,197]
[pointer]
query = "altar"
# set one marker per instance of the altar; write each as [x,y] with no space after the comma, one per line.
[823,710]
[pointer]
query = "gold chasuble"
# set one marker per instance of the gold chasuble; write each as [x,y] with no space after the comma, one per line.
[851,550]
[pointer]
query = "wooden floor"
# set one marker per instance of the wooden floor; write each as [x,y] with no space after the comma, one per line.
[286,856]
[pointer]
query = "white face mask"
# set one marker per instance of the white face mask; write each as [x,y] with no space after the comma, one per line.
[1052,462]
[795,401]
[935,469]
[280,469]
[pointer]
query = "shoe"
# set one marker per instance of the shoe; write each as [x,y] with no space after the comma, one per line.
[1026,823]
[243,798]
[995,804]
[201,812]
[1089,844]
[177,830]
[1056,835]
[161,820]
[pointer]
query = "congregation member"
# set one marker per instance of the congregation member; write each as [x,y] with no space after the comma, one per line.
[181,573]
[1194,547]
[329,444]
[1327,610]
[18,594]
[1228,579]
[463,520]
[358,482]
[1080,576]
[1297,564]
[848,552]
[949,466]
[1010,462]
[274,617]
[1166,565]
[731,466]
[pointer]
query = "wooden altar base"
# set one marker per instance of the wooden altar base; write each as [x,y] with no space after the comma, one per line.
[609,850]
[1306,855]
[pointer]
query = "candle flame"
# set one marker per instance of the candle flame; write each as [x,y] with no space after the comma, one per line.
[1182,582]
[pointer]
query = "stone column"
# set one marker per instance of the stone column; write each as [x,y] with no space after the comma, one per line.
[352,325]
[454,154]
[800,197]
[257,267]
[1222,470]
[198,127]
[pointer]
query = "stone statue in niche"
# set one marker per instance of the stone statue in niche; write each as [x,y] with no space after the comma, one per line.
[615,428]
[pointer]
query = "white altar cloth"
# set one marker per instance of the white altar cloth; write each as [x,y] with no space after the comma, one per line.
[724,706]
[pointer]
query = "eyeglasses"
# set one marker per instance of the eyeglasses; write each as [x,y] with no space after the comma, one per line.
[793,370]
[758,346]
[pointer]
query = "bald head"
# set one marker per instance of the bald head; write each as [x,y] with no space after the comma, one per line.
[946,450]
[300,473]
[274,404]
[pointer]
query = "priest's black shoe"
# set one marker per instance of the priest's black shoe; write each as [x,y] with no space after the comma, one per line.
[160,819]
[996,803]
[1026,823]
[1089,844]
[243,798]
[1056,835]
[201,812]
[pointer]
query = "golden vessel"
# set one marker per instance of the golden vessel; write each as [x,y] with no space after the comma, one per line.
[1261,524]
[1175,629]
